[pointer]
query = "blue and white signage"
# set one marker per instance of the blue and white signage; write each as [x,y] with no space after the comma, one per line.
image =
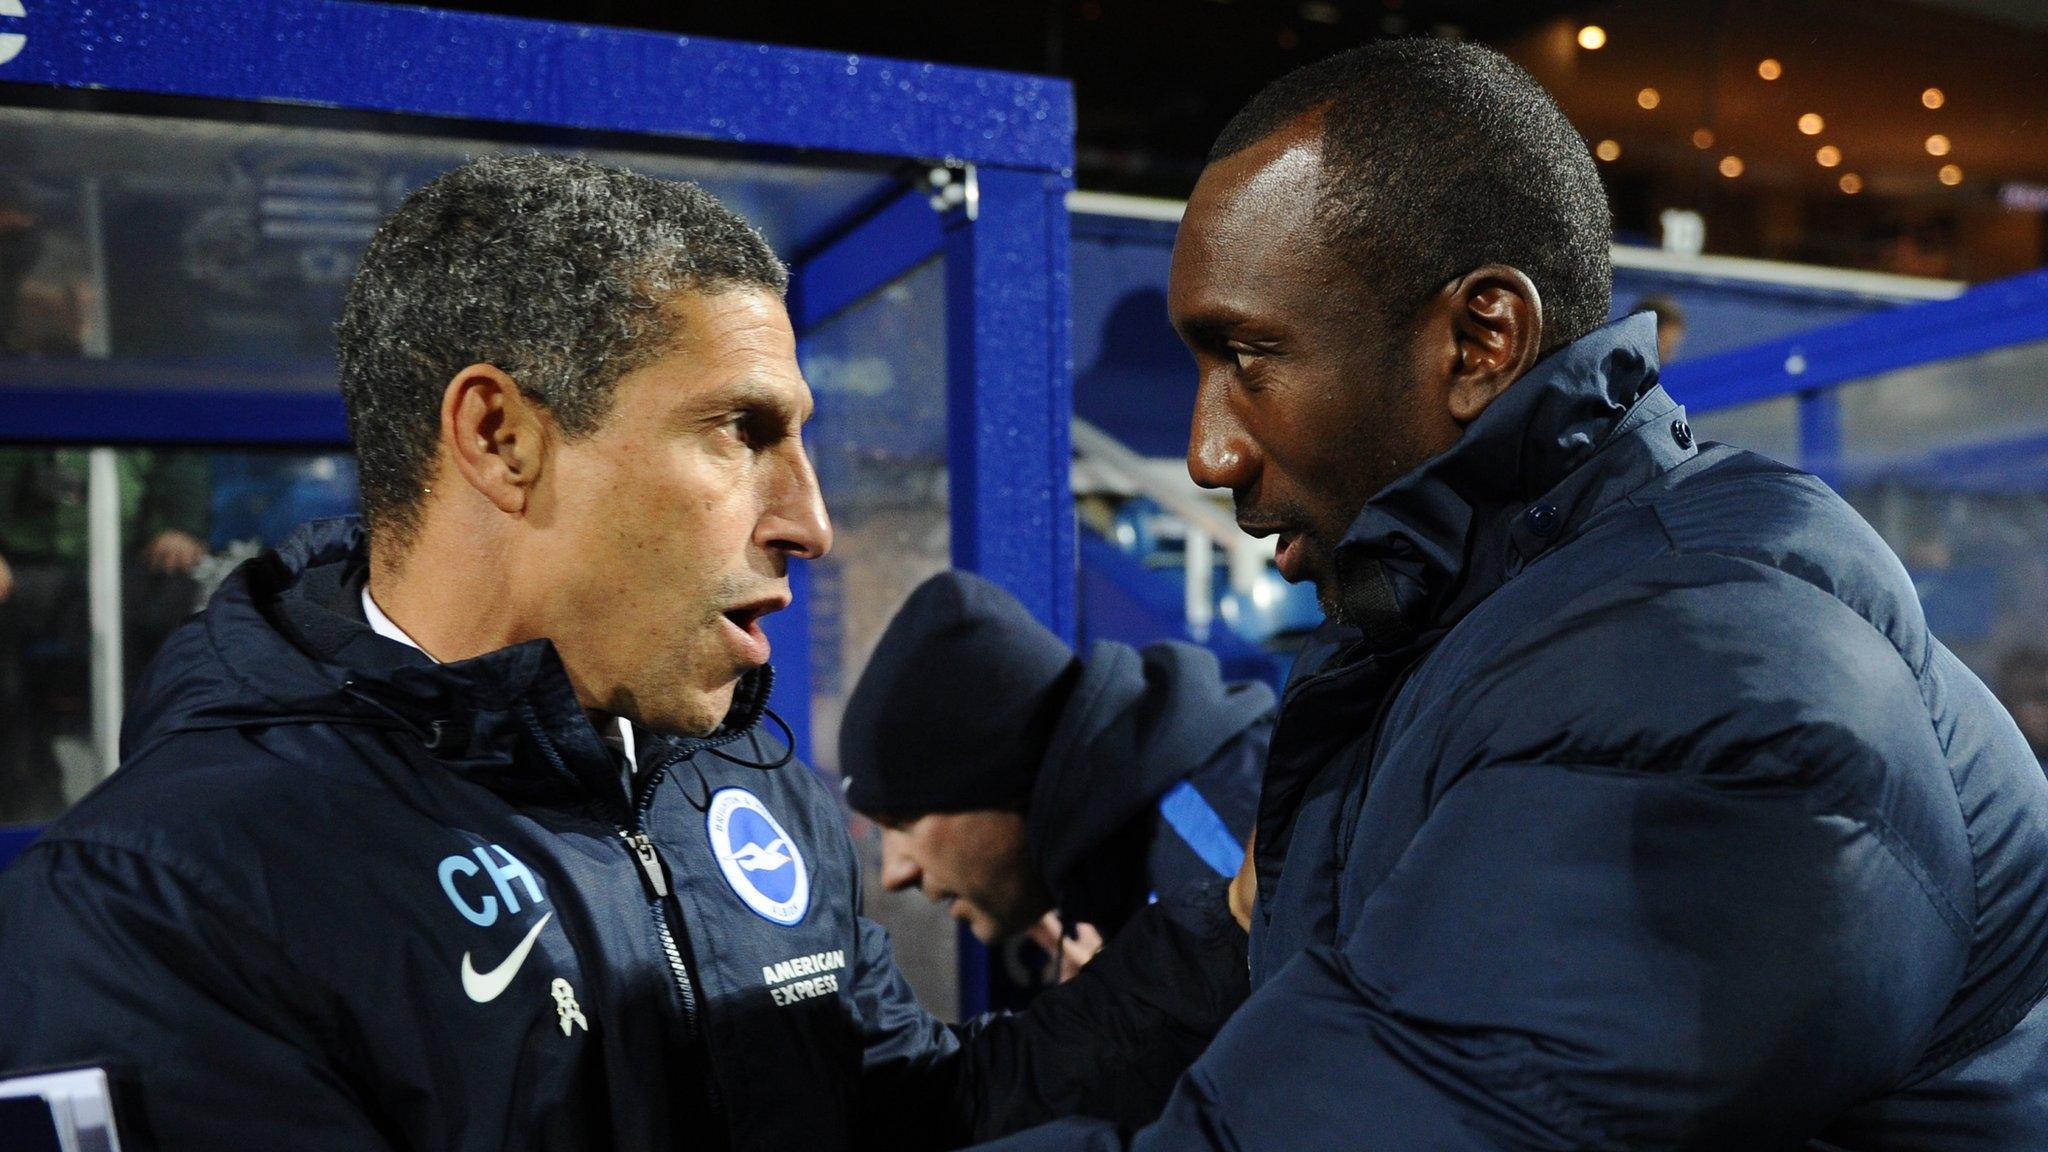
[758,858]
[11,43]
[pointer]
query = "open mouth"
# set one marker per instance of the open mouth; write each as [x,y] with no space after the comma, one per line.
[1287,550]
[1287,557]
[744,621]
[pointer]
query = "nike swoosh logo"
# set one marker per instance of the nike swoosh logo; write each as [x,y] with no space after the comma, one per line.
[483,987]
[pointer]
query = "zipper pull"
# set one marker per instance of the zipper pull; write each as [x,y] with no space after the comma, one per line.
[650,862]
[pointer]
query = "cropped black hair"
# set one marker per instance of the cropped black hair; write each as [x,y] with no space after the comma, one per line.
[1438,157]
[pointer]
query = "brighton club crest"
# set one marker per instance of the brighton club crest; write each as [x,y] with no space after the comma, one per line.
[759,860]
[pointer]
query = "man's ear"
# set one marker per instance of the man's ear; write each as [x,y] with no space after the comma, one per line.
[496,435]
[1497,326]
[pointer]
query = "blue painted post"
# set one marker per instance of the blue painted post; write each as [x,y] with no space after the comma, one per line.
[789,639]
[1820,434]
[1010,391]
[1009,401]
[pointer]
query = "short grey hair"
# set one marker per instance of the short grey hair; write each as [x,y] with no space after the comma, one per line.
[555,270]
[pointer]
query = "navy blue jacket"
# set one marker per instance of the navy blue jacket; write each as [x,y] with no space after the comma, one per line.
[1150,780]
[341,897]
[1637,809]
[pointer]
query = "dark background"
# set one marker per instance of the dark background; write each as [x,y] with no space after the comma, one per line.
[1156,79]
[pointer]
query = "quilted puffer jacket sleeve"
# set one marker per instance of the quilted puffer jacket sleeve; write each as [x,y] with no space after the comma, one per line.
[108,958]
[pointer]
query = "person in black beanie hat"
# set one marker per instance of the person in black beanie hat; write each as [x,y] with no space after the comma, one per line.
[1012,778]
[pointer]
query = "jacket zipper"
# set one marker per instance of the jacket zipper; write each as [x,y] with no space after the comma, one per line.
[644,853]
[641,845]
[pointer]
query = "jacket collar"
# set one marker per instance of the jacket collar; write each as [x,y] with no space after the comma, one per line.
[1577,434]
[288,644]
[1580,431]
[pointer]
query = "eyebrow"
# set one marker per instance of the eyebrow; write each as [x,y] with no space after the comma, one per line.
[1211,326]
[753,392]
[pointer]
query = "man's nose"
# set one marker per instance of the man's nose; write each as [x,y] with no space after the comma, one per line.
[796,521]
[899,871]
[1219,453]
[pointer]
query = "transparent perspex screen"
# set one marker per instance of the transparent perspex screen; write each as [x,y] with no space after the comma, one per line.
[145,535]
[156,236]
[1949,461]
[878,371]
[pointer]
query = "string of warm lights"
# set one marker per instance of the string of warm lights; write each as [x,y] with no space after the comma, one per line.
[1593,38]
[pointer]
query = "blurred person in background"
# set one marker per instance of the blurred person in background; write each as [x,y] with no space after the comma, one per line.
[38,316]
[1035,790]
[1670,316]
[2023,688]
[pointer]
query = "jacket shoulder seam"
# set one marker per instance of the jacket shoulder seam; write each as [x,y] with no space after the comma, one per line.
[220,900]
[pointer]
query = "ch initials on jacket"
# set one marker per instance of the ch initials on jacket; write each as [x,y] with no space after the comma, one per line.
[478,905]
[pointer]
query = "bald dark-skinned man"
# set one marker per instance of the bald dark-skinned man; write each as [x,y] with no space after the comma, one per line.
[1625,802]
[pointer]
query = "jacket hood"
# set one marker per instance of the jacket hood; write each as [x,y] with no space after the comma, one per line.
[1433,544]
[282,642]
[1136,723]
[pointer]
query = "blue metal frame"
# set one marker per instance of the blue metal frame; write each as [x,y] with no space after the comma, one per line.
[1010,399]
[865,255]
[1009,407]
[14,838]
[474,67]
[1009,379]
[1990,316]
[1009,369]
[2012,465]
[106,416]
[1812,365]
[1820,434]
[140,402]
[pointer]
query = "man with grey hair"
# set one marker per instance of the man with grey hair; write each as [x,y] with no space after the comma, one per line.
[455,828]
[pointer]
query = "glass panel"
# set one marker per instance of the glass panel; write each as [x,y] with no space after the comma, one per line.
[214,239]
[47,289]
[47,758]
[1770,427]
[1979,561]
[1949,461]
[1909,418]
[184,519]
[879,440]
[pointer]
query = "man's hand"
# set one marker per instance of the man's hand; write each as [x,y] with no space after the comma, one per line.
[1073,952]
[1244,887]
[174,553]
[1077,950]
[6,580]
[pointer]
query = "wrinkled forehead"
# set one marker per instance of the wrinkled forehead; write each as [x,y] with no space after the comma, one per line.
[720,349]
